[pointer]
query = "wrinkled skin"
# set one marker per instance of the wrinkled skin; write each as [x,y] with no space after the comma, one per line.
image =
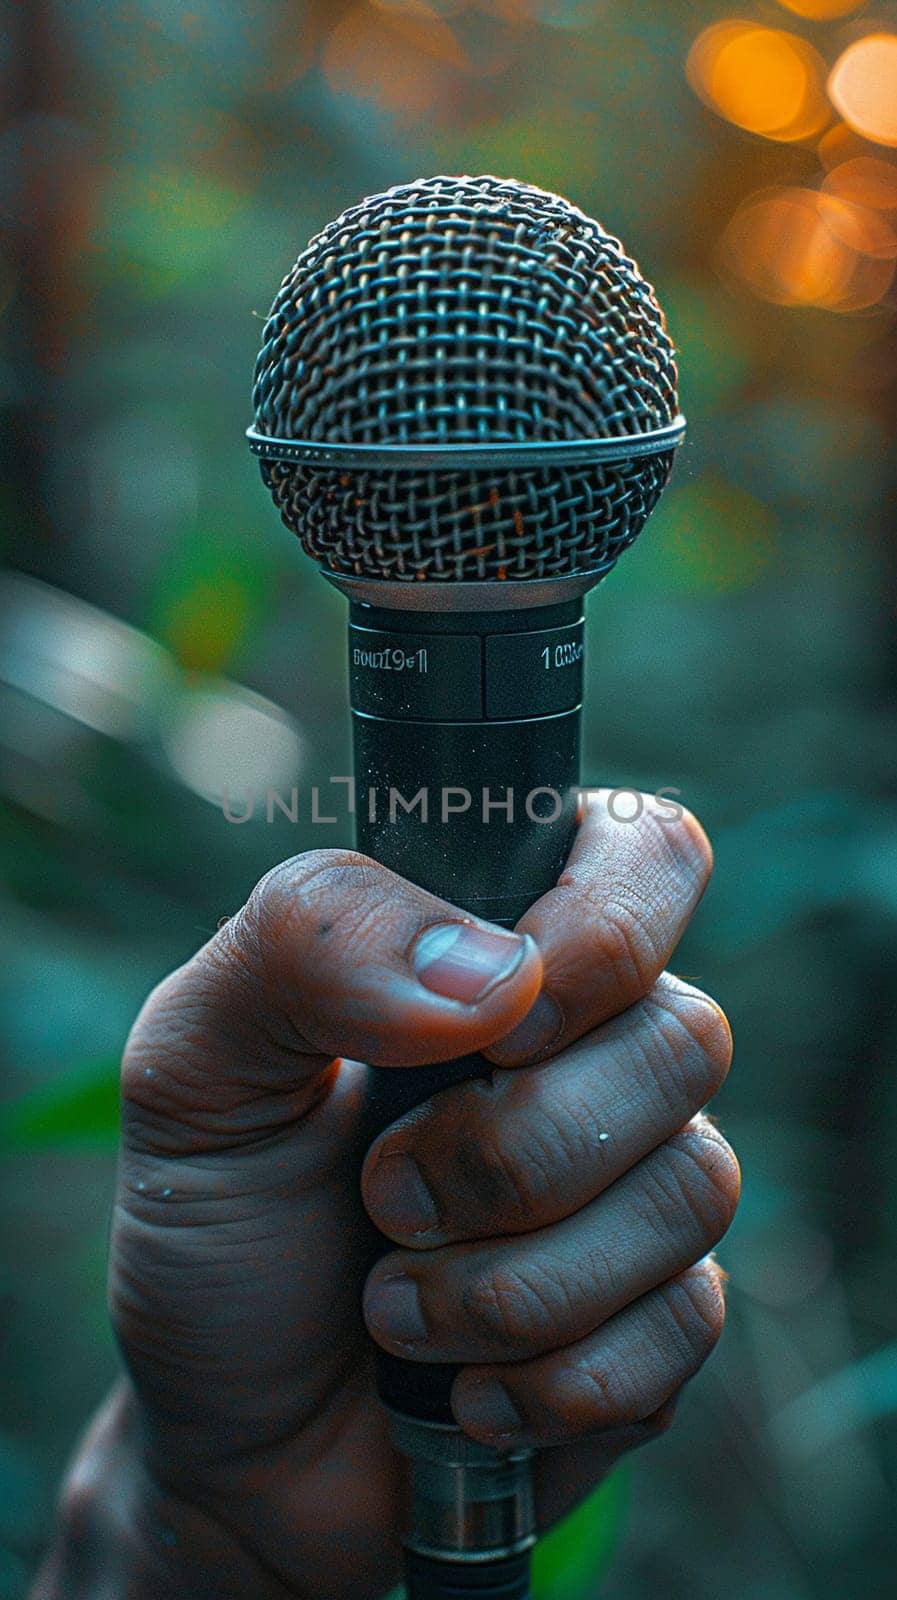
[575,1196]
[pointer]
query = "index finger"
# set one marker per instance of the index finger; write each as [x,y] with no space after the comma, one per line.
[608,928]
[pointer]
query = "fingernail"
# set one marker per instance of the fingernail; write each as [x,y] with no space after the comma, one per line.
[399,1195]
[393,1309]
[488,1405]
[463,962]
[540,1027]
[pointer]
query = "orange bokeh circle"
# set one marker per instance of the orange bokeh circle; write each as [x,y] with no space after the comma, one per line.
[765,80]
[822,10]
[862,86]
[796,247]
[865,181]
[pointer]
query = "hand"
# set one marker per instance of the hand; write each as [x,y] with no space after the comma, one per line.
[554,1220]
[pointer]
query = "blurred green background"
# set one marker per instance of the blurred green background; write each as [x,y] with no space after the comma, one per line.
[162,636]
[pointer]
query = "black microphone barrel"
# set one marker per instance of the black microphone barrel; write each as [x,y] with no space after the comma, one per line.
[466,731]
[467,748]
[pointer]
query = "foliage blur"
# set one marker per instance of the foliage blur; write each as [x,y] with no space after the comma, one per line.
[162,636]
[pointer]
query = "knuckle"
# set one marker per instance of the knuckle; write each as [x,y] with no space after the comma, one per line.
[492,1170]
[587,1395]
[561,1146]
[708,1026]
[702,1303]
[693,845]
[307,889]
[292,913]
[697,1307]
[506,1308]
[171,1029]
[692,1043]
[243,970]
[529,1146]
[627,944]
[706,1171]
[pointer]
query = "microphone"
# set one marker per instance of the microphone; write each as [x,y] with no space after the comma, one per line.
[465,406]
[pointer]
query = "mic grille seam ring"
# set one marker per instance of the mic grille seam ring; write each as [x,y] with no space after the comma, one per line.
[476,312]
[541,452]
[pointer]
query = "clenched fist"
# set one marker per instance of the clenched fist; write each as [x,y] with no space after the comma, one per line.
[552,1223]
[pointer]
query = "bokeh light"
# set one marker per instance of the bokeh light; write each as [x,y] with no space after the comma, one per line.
[394,57]
[209,595]
[864,181]
[866,232]
[840,143]
[863,87]
[797,247]
[230,745]
[88,666]
[765,80]
[822,10]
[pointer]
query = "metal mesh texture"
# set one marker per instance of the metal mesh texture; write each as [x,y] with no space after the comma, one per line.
[465,310]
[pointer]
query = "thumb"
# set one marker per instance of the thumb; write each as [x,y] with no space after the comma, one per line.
[333,955]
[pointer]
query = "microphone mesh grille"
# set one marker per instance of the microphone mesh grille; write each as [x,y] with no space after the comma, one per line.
[465,310]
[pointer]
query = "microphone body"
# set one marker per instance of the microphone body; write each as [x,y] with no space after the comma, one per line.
[466,740]
[466,735]
[465,406]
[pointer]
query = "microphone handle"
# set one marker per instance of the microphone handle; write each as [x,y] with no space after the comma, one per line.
[466,733]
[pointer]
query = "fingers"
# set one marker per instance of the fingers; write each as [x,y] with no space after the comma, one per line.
[514,1298]
[333,955]
[621,1376]
[523,1149]
[609,927]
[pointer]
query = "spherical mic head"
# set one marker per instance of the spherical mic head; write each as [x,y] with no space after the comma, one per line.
[465,380]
